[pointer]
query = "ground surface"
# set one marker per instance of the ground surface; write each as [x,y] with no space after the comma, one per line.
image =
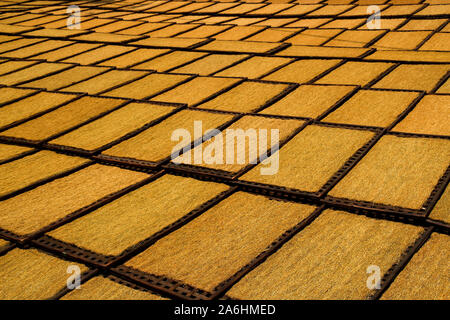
[357,192]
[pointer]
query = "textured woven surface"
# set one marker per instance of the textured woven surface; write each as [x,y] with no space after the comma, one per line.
[403,162]
[67,196]
[233,239]
[9,151]
[314,155]
[3,243]
[111,127]
[426,276]
[442,209]
[28,170]
[30,106]
[43,275]
[64,118]
[137,216]
[152,144]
